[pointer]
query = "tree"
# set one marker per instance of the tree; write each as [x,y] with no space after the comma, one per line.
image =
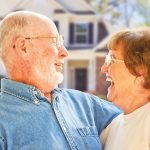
[143,10]
[126,12]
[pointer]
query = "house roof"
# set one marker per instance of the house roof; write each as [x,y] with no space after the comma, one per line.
[77,6]
[7,6]
[42,6]
[102,46]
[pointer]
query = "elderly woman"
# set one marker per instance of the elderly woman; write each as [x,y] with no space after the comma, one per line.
[127,68]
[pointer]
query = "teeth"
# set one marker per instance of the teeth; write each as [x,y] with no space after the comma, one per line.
[108,79]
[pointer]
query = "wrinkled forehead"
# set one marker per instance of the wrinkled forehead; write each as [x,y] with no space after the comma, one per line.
[42,26]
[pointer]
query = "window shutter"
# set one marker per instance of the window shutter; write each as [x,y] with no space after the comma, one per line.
[90,33]
[102,31]
[71,33]
[57,24]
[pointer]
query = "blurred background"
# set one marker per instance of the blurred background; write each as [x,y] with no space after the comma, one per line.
[86,25]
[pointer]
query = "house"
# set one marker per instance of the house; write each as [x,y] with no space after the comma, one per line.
[83,29]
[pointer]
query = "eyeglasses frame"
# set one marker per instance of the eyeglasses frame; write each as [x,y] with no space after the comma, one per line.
[59,42]
[59,39]
[109,59]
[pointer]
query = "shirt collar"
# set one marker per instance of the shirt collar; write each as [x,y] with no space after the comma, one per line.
[24,91]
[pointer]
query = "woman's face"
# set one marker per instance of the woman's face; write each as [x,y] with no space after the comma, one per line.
[122,85]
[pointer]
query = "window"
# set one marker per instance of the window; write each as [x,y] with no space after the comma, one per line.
[81,33]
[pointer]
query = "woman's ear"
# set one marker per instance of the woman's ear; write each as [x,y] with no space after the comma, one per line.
[142,71]
[139,80]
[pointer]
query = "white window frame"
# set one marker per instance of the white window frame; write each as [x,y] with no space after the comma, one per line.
[81,33]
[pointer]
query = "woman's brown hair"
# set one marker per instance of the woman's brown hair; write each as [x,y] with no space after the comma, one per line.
[135,49]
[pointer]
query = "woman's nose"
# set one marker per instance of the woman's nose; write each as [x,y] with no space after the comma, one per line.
[104,68]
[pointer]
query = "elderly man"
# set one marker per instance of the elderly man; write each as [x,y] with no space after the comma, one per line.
[34,113]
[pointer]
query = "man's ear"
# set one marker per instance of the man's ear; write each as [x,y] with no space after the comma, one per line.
[20,45]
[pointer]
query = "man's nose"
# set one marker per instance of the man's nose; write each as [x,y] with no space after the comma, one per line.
[63,52]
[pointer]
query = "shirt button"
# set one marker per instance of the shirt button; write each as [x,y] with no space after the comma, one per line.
[64,128]
[36,101]
[35,92]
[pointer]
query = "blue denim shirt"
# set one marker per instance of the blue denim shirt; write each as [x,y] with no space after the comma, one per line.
[72,121]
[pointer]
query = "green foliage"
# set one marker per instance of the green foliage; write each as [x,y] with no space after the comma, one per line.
[143,10]
[125,11]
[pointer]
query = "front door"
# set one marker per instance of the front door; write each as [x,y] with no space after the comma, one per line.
[81,79]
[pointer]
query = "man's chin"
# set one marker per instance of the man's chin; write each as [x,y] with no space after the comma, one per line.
[60,78]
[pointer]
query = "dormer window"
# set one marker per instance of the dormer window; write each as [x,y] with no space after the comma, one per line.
[81,34]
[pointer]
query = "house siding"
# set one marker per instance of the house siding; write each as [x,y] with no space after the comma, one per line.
[102,31]
[101,84]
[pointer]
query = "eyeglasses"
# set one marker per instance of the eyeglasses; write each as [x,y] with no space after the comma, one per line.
[109,60]
[58,40]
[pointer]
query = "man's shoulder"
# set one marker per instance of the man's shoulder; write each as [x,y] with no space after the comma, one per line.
[72,92]
[77,94]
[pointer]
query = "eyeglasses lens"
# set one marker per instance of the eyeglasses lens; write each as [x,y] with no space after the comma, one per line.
[108,60]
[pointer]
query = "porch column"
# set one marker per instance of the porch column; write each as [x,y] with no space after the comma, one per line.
[65,83]
[91,75]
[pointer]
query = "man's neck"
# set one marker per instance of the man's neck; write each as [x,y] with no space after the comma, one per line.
[48,96]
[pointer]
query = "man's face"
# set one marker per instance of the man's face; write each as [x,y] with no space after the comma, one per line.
[46,60]
[122,81]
